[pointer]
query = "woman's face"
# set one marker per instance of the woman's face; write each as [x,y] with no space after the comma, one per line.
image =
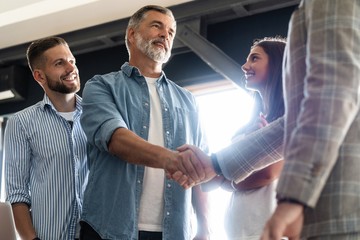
[256,69]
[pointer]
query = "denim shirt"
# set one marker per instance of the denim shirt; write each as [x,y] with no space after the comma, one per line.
[121,100]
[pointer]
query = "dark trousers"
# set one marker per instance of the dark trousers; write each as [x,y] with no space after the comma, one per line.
[88,233]
[143,235]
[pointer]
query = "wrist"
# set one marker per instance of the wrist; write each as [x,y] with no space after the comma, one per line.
[215,164]
[289,200]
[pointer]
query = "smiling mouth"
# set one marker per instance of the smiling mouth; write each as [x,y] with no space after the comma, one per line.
[70,78]
[249,75]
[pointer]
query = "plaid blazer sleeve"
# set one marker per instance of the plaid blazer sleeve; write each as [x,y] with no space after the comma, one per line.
[253,152]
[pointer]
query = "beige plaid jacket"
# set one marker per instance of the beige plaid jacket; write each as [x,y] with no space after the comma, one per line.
[322,119]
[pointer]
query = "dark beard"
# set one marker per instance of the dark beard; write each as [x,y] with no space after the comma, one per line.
[60,87]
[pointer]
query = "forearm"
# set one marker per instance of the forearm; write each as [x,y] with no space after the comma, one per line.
[23,221]
[129,147]
[260,178]
[201,208]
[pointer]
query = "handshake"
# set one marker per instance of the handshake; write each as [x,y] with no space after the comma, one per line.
[189,166]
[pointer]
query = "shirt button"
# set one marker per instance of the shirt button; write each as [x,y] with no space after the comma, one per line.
[169,185]
[146,104]
[138,181]
[167,213]
[166,109]
[144,127]
[167,132]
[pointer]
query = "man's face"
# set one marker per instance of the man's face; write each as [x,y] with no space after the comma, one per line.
[155,36]
[61,73]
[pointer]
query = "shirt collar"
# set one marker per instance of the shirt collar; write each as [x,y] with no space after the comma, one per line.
[47,102]
[129,70]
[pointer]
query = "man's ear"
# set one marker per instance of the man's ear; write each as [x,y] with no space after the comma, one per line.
[39,76]
[131,35]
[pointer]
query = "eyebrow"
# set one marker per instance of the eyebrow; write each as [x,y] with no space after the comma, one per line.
[162,24]
[253,54]
[63,59]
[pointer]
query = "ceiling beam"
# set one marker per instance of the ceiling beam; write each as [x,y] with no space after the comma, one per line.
[94,38]
[210,54]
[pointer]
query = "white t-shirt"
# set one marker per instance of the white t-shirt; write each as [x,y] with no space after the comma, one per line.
[69,116]
[248,212]
[152,198]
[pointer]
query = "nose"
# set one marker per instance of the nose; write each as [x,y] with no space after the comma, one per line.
[70,67]
[164,34]
[245,67]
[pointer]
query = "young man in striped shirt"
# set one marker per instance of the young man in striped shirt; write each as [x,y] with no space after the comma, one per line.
[45,148]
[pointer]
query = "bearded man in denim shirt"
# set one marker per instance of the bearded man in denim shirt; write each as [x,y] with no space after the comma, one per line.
[134,120]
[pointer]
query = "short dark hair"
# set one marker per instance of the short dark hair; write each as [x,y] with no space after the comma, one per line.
[140,14]
[36,49]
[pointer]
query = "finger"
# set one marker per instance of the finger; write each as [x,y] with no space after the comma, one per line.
[183,180]
[168,175]
[190,147]
[263,121]
[189,184]
[183,147]
[176,176]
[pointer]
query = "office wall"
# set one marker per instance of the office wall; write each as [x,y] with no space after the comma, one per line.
[233,37]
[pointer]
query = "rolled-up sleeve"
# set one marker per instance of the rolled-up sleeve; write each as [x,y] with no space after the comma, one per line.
[17,163]
[100,116]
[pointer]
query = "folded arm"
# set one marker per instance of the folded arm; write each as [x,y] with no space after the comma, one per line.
[260,178]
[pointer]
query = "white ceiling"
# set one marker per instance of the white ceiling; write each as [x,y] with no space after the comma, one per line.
[23,21]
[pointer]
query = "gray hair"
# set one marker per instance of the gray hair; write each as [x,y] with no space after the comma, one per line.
[139,16]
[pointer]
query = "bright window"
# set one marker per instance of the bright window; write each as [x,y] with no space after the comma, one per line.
[222,113]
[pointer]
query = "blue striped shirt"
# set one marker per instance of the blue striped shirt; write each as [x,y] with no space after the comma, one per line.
[46,167]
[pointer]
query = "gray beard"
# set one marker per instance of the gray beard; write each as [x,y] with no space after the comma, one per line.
[158,55]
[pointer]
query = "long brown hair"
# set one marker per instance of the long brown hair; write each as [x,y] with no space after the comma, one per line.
[272,101]
[273,95]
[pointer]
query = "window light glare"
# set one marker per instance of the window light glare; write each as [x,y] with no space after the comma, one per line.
[6,94]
